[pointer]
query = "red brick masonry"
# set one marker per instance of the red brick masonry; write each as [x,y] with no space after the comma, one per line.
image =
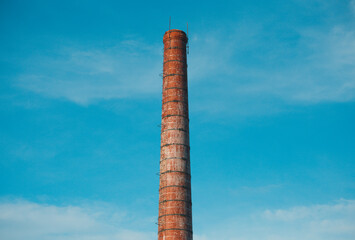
[175,221]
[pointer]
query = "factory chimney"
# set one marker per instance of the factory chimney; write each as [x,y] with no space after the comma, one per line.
[175,219]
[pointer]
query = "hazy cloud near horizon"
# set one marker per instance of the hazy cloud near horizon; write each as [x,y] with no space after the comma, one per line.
[44,222]
[332,221]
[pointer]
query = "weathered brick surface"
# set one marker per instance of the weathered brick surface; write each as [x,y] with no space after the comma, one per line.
[175,221]
[174,151]
[174,95]
[173,165]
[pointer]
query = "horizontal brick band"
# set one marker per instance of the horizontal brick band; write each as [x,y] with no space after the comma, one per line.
[174,57]
[184,102]
[176,200]
[176,69]
[176,229]
[169,144]
[173,74]
[174,214]
[175,171]
[175,115]
[174,129]
[164,159]
[174,48]
[173,186]
[185,89]
[174,61]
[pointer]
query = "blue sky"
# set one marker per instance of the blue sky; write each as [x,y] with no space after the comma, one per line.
[272,100]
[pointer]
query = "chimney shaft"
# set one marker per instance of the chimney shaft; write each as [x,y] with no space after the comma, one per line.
[175,220]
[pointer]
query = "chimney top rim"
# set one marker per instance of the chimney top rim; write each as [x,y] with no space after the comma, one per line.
[175,30]
[175,34]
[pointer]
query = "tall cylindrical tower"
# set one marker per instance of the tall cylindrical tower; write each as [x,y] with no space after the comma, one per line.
[175,220]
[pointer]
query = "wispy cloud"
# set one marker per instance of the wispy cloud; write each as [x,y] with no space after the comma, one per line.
[315,222]
[352,5]
[248,67]
[129,70]
[250,75]
[344,207]
[28,220]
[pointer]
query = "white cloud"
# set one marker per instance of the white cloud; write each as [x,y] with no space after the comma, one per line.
[352,5]
[27,220]
[246,68]
[249,75]
[344,207]
[129,70]
[315,222]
